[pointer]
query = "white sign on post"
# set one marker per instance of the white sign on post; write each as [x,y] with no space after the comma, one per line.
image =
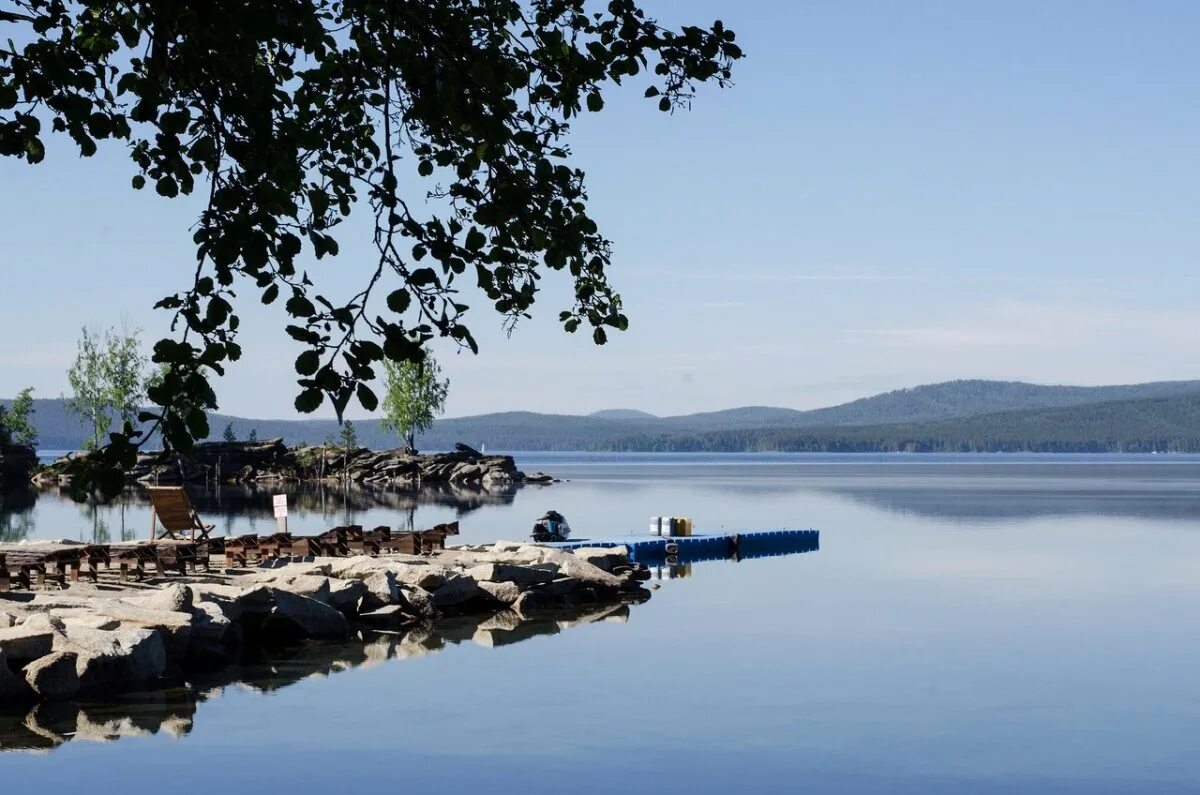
[280,501]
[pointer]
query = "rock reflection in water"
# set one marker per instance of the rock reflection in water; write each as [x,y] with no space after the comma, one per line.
[237,509]
[172,710]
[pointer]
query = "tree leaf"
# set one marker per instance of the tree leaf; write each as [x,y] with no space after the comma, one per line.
[308,362]
[309,401]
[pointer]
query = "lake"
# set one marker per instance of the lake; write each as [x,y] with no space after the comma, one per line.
[969,624]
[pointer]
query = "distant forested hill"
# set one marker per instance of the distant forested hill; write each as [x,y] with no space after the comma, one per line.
[1129,426]
[749,427]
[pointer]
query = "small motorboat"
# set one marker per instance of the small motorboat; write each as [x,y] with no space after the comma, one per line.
[551,527]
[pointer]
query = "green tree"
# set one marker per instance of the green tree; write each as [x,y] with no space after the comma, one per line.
[107,381]
[5,433]
[90,396]
[349,436]
[253,435]
[287,116]
[19,423]
[415,396]
[125,373]
[229,435]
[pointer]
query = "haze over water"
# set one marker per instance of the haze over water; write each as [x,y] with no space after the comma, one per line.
[969,624]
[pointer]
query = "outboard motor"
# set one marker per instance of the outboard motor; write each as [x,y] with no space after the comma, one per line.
[551,527]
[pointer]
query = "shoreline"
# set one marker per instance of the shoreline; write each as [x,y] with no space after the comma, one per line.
[110,637]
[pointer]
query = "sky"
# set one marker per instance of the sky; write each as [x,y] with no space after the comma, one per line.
[891,194]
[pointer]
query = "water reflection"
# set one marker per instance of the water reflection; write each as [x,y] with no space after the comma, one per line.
[949,491]
[172,710]
[998,502]
[234,509]
[16,514]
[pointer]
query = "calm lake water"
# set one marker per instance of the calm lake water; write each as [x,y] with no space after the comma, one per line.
[970,624]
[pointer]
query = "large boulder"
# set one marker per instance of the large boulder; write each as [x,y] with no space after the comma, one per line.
[299,615]
[114,661]
[382,590]
[522,576]
[606,558]
[503,592]
[417,602]
[175,628]
[572,566]
[170,598]
[54,677]
[214,637]
[455,591]
[422,575]
[345,595]
[27,642]
[311,585]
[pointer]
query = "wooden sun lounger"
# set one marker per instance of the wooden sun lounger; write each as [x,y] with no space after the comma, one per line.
[33,564]
[164,554]
[240,550]
[171,507]
[275,545]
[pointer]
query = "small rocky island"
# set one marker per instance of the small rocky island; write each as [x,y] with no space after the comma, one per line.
[271,461]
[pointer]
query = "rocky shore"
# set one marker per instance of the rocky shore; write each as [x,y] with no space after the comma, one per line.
[90,640]
[271,460]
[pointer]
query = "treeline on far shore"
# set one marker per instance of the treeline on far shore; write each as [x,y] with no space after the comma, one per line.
[1166,425]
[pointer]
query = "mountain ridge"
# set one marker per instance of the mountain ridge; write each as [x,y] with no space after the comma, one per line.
[614,428]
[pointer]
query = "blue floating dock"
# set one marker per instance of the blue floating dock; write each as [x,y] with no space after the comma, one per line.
[740,545]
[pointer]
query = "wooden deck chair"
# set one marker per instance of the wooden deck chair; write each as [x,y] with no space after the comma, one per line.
[170,507]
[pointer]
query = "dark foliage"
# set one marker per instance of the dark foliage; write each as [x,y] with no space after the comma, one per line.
[289,113]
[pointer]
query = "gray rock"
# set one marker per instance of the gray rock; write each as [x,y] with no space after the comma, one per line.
[114,661]
[417,602]
[424,576]
[455,591]
[23,642]
[358,567]
[310,585]
[213,637]
[344,595]
[573,566]
[54,677]
[495,479]
[311,618]
[523,576]
[382,590]
[85,618]
[170,598]
[7,620]
[606,558]
[175,628]
[503,592]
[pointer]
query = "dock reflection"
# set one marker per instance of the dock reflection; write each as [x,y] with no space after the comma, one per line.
[172,710]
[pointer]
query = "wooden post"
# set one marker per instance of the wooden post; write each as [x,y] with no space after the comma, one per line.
[153,520]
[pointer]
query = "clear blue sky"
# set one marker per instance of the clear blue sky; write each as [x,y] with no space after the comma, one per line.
[891,194]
